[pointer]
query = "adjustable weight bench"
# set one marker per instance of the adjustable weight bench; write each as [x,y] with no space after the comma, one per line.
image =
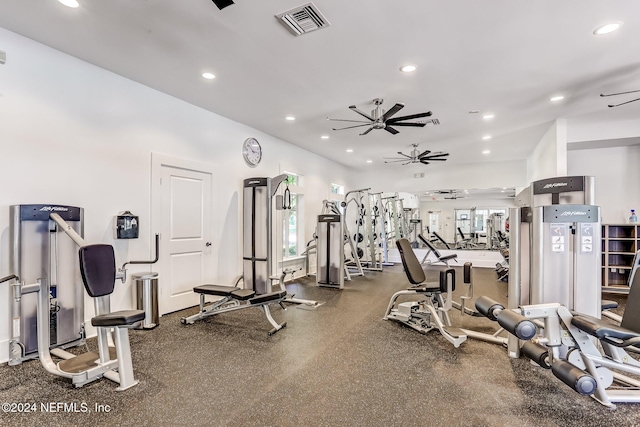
[439,257]
[232,299]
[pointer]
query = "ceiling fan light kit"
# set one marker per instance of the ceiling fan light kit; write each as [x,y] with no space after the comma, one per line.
[381,119]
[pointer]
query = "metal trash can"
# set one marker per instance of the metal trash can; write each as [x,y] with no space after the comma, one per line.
[147,298]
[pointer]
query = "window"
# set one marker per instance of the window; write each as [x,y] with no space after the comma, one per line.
[292,227]
[337,189]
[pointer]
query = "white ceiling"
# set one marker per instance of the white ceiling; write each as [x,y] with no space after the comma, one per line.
[507,57]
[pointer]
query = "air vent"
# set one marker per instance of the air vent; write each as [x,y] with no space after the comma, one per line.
[303,19]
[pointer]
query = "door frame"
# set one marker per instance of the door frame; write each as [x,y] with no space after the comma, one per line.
[158,160]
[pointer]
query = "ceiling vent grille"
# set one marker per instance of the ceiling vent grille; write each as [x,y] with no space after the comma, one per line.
[303,19]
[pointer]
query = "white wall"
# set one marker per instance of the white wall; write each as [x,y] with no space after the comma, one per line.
[391,178]
[549,158]
[78,135]
[617,178]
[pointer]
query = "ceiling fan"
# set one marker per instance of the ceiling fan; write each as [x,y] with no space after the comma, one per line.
[621,93]
[417,157]
[381,119]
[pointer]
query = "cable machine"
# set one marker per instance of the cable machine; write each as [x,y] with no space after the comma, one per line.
[555,250]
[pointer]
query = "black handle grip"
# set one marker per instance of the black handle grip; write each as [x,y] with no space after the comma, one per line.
[517,324]
[7,278]
[467,272]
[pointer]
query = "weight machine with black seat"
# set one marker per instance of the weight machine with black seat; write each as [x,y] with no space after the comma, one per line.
[430,309]
[48,315]
[257,259]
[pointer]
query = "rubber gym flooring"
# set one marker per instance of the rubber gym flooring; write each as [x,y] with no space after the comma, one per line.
[338,365]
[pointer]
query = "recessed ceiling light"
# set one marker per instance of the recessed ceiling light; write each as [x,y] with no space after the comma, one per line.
[488,116]
[408,68]
[556,98]
[290,118]
[474,111]
[485,152]
[325,137]
[208,76]
[349,150]
[607,28]
[369,161]
[486,137]
[70,3]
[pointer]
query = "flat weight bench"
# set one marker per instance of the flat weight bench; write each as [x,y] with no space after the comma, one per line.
[231,301]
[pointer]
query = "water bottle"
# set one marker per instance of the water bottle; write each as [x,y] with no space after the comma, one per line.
[633,218]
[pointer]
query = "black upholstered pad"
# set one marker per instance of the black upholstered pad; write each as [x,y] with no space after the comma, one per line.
[98,269]
[448,257]
[427,288]
[631,316]
[217,290]
[601,329]
[412,266]
[243,294]
[608,304]
[268,297]
[118,318]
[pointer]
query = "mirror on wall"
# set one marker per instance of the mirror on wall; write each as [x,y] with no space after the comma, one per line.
[467,218]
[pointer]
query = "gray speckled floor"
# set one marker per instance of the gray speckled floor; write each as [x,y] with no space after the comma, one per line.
[339,365]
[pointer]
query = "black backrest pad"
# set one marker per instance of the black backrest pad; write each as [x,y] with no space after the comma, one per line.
[412,266]
[443,280]
[429,245]
[631,317]
[98,268]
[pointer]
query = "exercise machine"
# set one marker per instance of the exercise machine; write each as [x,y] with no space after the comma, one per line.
[432,250]
[588,354]
[330,251]
[433,302]
[47,315]
[257,259]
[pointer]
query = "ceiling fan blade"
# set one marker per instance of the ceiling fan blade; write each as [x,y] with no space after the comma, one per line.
[367,131]
[392,111]
[395,161]
[418,125]
[424,162]
[424,153]
[343,120]
[351,127]
[354,108]
[628,102]
[404,164]
[402,154]
[411,116]
[431,159]
[391,130]
[433,156]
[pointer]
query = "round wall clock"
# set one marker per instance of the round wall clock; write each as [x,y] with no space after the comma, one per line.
[252,152]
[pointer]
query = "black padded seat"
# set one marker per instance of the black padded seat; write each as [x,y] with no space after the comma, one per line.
[118,318]
[602,329]
[268,297]
[412,267]
[221,291]
[243,294]
[427,287]
[447,257]
[608,304]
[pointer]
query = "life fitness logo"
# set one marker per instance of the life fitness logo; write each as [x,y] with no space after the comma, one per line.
[555,184]
[53,209]
[573,213]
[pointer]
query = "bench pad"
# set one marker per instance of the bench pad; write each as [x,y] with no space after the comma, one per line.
[217,290]
[118,318]
[243,294]
[268,297]
[601,329]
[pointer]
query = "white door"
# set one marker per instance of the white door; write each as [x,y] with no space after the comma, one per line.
[185,221]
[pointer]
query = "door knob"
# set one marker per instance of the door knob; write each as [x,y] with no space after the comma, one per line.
[208,244]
